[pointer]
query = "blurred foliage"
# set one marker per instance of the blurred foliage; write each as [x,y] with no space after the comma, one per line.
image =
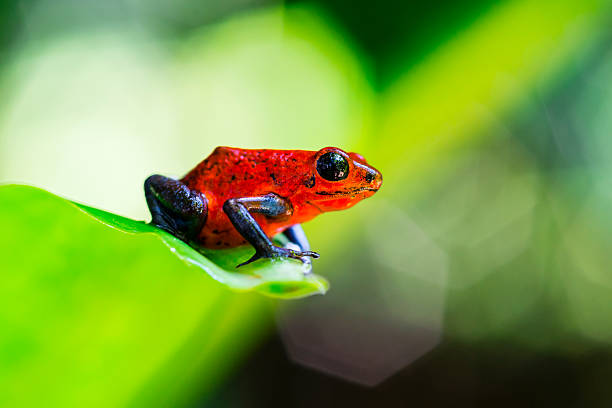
[397,30]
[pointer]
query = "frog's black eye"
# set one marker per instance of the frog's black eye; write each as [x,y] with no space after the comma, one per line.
[332,166]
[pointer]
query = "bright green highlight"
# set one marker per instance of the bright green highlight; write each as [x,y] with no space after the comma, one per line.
[488,70]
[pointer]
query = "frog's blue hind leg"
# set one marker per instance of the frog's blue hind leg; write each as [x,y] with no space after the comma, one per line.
[296,235]
[175,207]
[297,240]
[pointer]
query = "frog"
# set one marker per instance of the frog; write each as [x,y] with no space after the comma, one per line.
[239,196]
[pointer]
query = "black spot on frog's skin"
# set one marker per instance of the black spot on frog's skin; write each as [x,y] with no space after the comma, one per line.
[273,176]
[310,182]
[233,177]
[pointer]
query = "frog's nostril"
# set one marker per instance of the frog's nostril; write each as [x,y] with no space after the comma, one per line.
[377,179]
[374,178]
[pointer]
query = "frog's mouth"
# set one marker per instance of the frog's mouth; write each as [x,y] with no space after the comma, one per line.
[346,193]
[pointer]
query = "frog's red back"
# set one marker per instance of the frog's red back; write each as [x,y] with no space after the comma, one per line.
[233,172]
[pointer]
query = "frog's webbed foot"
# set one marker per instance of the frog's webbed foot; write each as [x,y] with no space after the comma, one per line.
[239,211]
[278,252]
[175,207]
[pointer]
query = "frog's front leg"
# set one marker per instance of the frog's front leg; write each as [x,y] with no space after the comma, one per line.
[239,212]
[175,207]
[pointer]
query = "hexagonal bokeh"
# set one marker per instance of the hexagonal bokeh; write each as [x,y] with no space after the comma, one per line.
[378,318]
[387,300]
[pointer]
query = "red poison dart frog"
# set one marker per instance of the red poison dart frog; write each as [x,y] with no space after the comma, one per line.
[238,196]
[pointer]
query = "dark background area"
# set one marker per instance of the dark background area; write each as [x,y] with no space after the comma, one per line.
[454,374]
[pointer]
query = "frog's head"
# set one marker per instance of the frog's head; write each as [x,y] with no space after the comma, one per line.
[340,180]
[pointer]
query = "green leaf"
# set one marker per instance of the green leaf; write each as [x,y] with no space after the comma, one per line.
[279,278]
[97,316]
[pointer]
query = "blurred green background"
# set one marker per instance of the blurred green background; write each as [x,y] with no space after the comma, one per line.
[478,276]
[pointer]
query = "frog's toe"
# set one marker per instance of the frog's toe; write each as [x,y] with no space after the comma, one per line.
[303,256]
[307,262]
[254,258]
[278,252]
[309,254]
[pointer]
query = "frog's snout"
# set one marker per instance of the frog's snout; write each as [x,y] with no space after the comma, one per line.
[370,176]
[374,177]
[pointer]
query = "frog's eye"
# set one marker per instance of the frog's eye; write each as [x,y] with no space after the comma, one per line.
[332,166]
